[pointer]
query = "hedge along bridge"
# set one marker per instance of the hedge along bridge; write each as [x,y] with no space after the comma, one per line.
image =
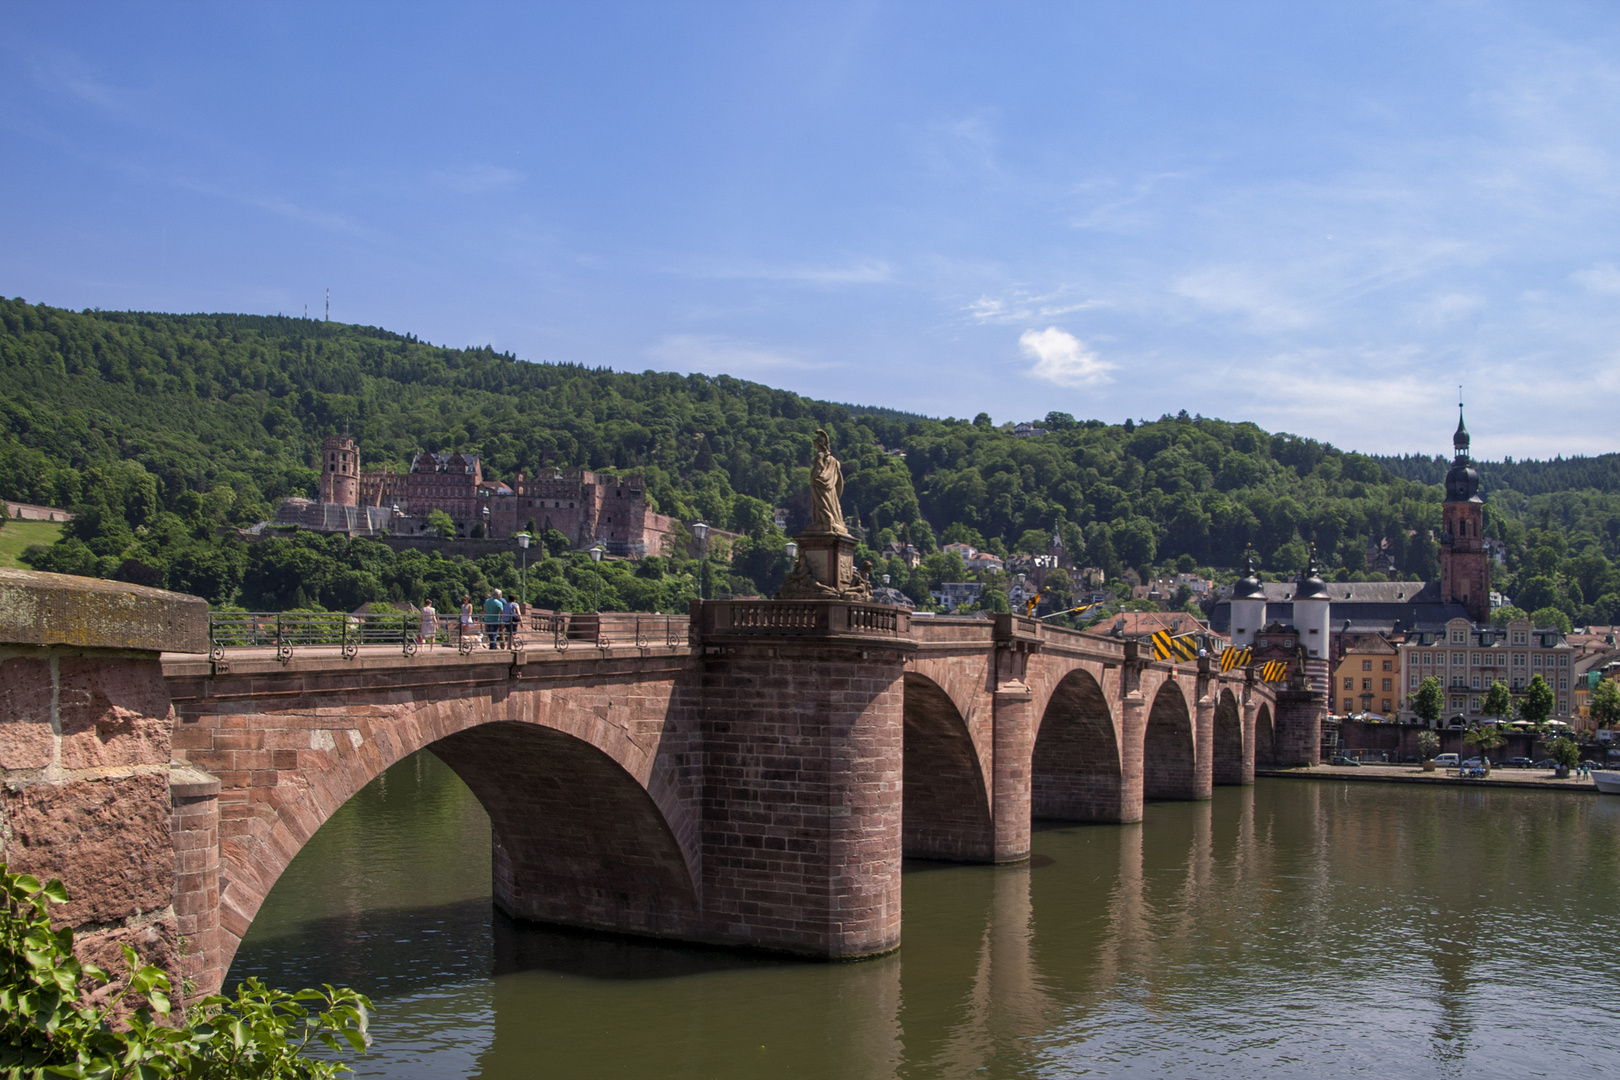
[750,777]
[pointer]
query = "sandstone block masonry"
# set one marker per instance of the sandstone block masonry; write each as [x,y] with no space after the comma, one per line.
[755,784]
[86,789]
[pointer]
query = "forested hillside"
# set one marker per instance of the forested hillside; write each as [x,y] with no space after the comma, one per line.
[162,429]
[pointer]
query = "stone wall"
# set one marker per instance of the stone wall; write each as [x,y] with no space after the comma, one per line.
[85,723]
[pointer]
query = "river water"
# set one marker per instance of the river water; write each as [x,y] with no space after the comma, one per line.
[1295,928]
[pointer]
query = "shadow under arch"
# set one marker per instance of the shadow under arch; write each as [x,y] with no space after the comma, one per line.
[1227,751]
[1168,758]
[577,839]
[945,806]
[1075,771]
[1265,742]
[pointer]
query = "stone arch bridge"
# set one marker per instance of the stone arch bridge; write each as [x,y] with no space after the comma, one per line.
[752,782]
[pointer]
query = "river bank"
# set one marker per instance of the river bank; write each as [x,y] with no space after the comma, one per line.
[1412,774]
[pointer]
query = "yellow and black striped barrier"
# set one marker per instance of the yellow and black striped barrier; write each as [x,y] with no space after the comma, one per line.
[1236,657]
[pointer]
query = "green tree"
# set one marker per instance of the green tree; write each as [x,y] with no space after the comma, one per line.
[1486,737]
[1498,701]
[1565,751]
[1429,700]
[1605,705]
[1551,617]
[1428,744]
[443,526]
[1507,613]
[1537,704]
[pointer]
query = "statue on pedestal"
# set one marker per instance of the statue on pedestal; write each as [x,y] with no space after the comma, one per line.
[826,566]
[826,489]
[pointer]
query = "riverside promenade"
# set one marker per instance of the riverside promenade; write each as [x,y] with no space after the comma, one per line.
[1410,774]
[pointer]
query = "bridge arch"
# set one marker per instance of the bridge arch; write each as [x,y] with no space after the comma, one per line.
[1265,738]
[1169,754]
[1076,769]
[587,825]
[945,807]
[1227,747]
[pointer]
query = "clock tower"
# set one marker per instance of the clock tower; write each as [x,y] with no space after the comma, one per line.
[1465,573]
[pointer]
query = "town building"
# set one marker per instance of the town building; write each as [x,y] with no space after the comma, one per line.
[1366,677]
[1467,658]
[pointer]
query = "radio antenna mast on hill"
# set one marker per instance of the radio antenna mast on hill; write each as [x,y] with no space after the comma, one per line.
[329,312]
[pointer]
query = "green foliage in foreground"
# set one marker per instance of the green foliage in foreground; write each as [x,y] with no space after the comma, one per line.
[53,1024]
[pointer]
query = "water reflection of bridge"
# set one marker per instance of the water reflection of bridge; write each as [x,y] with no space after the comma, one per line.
[751,780]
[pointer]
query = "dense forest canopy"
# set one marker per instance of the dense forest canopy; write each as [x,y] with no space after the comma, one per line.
[163,430]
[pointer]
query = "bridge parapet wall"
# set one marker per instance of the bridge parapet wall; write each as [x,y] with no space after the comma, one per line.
[88,794]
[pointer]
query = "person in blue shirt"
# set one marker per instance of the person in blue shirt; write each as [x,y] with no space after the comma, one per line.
[494,616]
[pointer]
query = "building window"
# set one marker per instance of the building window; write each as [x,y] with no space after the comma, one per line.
[1386,705]
[1414,680]
[1366,684]
[1535,661]
[1563,684]
[1366,665]
[1387,666]
[1349,683]
[1428,658]
[1563,661]
[1456,637]
[1387,686]
[1518,660]
[1457,703]
[1476,680]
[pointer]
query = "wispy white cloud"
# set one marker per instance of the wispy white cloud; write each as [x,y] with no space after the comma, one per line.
[719,355]
[857,272]
[1019,308]
[477,179]
[1602,278]
[1062,358]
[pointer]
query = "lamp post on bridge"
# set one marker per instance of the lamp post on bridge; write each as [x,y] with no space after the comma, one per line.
[701,531]
[523,539]
[597,551]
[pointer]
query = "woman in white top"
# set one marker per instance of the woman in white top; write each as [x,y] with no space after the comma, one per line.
[430,623]
[466,617]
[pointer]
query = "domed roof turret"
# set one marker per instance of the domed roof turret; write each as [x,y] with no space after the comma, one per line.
[1248,586]
[1462,480]
[1310,585]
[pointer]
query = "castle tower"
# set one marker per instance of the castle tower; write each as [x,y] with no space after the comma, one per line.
[1465,573]
[1311,612]
[1248,605]
[340,471]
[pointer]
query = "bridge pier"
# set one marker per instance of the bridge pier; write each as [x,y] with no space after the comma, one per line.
[1204,748]
[803,728]
[1013,751]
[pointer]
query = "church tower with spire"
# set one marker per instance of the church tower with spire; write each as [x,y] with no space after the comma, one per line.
[1465,573]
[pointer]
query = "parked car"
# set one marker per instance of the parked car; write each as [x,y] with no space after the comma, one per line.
[1545,763]
[1446,761]
[1518,763]
[1340,759]
[1474,763]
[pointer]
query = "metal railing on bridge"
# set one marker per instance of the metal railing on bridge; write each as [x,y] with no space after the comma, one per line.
[346,634]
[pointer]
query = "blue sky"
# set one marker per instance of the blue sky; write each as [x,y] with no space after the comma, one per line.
[1320,217]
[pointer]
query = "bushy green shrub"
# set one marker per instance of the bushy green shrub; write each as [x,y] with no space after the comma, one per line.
[53,1025]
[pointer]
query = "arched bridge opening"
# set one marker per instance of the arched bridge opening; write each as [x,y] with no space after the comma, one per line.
[945,812]
[1265,738]
[577,839]
[1169,759]
[1075,771]
[1228,740]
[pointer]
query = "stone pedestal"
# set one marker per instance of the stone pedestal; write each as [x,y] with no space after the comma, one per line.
[825,570]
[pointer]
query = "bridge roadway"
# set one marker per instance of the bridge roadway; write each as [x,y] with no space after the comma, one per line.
[754,784]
